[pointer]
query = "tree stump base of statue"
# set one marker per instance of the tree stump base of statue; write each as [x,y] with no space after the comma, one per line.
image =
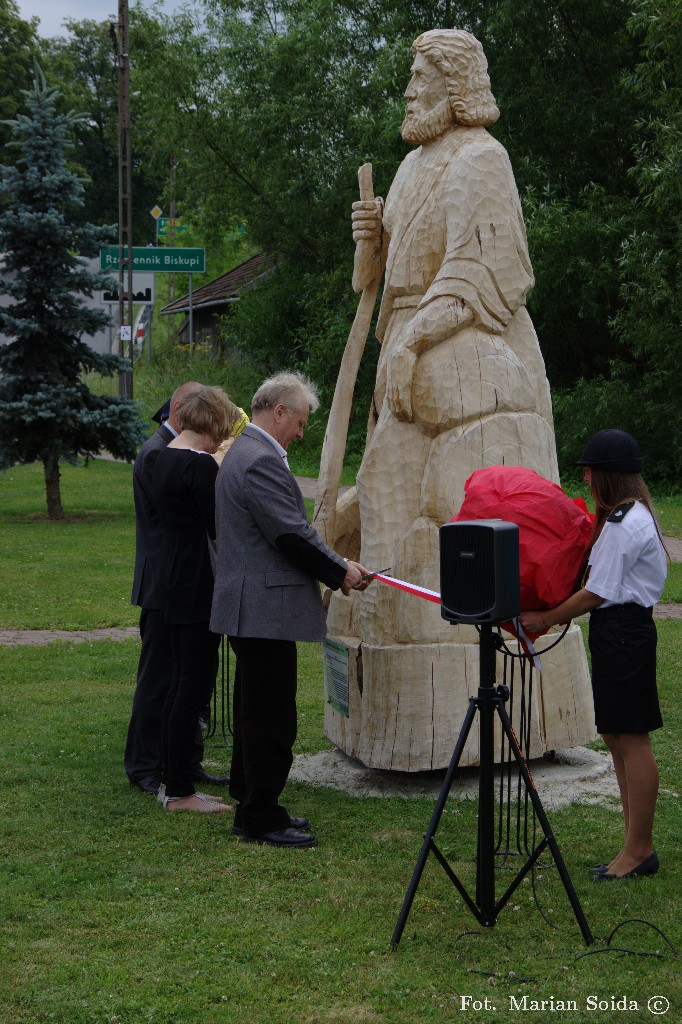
[400,707]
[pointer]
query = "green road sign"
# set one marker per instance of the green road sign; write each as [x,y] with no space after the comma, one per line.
[158,260]
[164,225]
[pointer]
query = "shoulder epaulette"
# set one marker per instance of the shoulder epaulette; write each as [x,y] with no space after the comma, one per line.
[619,513]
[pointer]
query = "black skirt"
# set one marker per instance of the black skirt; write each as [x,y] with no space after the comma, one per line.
[623,649]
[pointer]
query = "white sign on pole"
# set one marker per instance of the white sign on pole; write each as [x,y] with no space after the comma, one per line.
[143,291]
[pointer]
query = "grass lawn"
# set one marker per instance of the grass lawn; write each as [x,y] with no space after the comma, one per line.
[78,573]
[115,913]
[668,508]
[673,585]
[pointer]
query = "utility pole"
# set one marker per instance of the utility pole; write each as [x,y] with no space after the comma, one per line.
[125,203]
[171,243]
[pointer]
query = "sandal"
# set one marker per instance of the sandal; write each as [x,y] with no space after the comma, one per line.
[197,802]
[161,796]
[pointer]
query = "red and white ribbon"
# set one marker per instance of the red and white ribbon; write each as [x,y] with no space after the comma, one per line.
[432,595]
[409,588]
[527,646]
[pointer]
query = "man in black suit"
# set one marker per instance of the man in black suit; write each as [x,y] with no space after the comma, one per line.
[143,747]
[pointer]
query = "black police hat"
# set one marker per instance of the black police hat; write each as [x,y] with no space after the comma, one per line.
[614,451]
[162,414]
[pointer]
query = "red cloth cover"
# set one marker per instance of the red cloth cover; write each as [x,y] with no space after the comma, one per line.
[554,530]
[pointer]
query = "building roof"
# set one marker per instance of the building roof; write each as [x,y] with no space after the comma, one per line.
[228,287]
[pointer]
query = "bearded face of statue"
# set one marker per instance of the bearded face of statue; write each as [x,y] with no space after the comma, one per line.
[428,111]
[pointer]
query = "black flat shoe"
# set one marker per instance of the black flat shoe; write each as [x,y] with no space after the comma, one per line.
[599,869]
[288,837]
[648,867]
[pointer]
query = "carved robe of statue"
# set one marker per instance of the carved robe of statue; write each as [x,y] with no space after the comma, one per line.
[460,385]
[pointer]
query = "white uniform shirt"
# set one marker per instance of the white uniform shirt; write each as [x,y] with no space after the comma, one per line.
[628,564]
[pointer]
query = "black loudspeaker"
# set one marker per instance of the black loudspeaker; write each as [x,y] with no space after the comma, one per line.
[479,571]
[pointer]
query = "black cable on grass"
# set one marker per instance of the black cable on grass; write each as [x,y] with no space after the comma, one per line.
[633,952]
[608,948]
[536,898]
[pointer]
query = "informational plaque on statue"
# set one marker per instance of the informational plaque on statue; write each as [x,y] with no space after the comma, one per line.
[336,675]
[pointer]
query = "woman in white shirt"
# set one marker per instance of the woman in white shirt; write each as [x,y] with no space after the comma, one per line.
[625,578]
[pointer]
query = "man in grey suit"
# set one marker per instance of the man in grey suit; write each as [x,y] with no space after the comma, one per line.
[266,597]
[142,759]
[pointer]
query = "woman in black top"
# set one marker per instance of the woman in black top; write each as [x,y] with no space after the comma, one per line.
[184,493]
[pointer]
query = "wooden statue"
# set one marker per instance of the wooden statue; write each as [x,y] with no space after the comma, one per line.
[460,385]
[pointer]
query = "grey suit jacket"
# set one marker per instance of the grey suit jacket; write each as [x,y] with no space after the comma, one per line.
[147,522]
[259,590]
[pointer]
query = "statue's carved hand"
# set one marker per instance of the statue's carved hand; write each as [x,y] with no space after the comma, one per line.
[367,220]
[399,376]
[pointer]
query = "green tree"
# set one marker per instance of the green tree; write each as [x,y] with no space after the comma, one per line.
[639,389]
[649,322]
[269,108]
[567,120]
[267,114]
[82,64]
[19,47]
[264,110]
[46,411]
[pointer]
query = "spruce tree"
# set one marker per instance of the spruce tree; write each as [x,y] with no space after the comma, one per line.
[46,410]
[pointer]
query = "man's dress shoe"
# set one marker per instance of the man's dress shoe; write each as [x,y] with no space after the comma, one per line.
[649,866]
[149,784]
[210,780]
[289,837]
[300,824]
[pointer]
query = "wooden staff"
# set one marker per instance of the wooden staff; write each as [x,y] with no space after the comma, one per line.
[336,434]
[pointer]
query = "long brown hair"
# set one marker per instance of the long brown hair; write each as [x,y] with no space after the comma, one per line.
[610,490]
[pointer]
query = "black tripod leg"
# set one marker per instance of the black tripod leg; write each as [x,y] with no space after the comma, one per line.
[546,828]
[485,854]
[433,824]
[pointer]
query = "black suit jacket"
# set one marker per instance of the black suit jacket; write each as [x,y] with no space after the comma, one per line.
[148,537]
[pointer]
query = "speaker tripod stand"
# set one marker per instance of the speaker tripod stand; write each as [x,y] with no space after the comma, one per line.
[489,702]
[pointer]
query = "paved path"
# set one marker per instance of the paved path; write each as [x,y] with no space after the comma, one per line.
[37,637]
[308,486]
[674,546]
